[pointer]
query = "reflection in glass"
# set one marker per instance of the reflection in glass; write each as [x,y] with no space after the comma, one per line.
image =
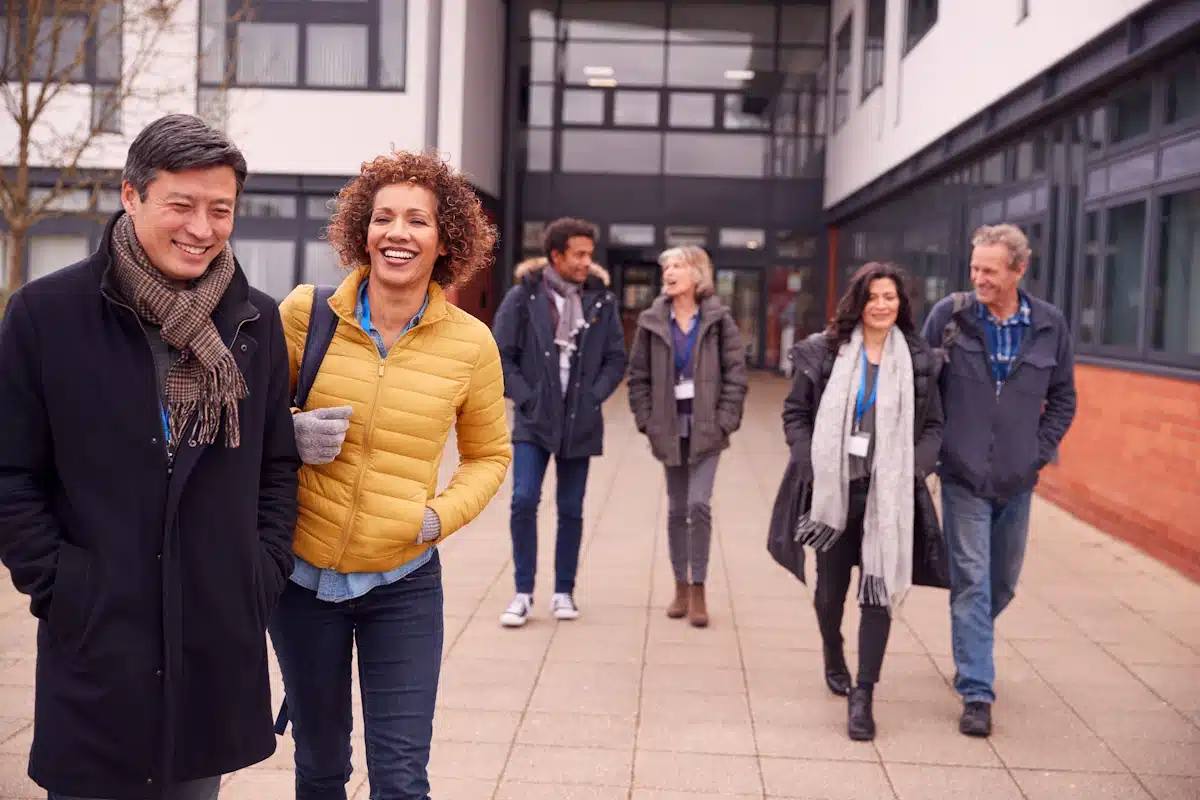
[1183,92]
[747,21]
[538,150]
[741,238]
[614,152]
[686,235]
[738,291]
[1177,287]
[716,154]
[1123,267]
[630,64]
[337,55]
[793,244]
[717,66]
[792,299]
[266,53]
[1131,114]
[624,20]
[692,109]
[583,106]
[1087,284]
[635,108]
[631,234]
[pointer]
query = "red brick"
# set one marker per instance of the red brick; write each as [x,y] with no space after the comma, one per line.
[1131,462]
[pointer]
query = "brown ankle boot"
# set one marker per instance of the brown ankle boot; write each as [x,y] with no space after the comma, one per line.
[679,606]
[697,607]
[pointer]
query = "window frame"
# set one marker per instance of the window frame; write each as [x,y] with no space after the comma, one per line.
[847,28]
[303,14]
[1156,232]
[1145,196]
[911,40]
[869,87]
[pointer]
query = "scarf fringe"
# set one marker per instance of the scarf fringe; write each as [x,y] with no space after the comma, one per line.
[817,535]
[873,591]
[220,390]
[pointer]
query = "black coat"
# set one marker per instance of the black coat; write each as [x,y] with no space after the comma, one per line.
[572,427]
[152,586]
[813,361]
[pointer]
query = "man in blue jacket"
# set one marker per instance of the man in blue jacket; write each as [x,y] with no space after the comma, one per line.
[1008,392]
[563,352]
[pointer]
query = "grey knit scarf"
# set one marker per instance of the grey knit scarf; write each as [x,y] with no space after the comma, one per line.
[570,321]
[887,546]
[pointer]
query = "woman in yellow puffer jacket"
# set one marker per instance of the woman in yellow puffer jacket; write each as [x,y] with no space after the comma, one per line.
[403,368]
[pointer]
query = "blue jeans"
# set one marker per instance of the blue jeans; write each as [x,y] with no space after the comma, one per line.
[529,469]
[399,629]
[203,789]
[987,540]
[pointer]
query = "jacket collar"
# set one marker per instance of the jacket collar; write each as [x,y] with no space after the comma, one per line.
[970,316]
[345,300]
[530,271]
[657,319]
[234,308]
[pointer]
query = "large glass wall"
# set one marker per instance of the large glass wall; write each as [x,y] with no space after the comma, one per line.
[681,122]
[1109,195]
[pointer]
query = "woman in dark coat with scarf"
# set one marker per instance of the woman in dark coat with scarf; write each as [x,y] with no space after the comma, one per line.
[864,424]
[687,388]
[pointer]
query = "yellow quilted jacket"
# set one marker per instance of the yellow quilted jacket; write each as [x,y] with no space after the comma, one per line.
[363,512]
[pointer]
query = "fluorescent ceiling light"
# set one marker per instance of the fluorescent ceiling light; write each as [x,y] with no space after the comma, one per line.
[739,74]
[598,72]
[602,83]
[753,244]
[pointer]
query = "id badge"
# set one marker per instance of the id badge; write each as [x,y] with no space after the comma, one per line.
[860,443]
[685,390]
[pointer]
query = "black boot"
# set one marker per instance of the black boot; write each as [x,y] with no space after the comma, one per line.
[837,674]
[861,724]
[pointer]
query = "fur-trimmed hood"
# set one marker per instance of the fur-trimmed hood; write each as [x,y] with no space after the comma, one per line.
[531,265]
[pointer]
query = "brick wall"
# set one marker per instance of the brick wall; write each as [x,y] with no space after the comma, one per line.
[1130,464]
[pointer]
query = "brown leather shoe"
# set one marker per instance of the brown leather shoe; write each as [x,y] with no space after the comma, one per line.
[697,607]
[679,606]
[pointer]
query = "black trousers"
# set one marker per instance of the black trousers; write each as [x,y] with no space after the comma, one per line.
[833,581]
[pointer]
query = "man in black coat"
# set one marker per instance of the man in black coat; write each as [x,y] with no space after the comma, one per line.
[148,486]
[563,352]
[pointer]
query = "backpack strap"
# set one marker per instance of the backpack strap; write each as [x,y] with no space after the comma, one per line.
[322,323]
[950,332]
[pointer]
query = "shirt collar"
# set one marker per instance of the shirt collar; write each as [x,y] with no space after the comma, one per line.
[362,310]
[1024,315]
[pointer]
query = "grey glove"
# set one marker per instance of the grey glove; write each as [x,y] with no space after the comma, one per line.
[320,433]
[431,527]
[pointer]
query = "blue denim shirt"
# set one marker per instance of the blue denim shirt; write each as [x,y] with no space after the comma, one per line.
[331,585]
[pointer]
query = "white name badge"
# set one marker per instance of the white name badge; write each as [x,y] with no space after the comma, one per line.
[860,443]
[685,390]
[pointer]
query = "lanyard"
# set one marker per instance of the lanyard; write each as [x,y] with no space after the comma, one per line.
[166,422]
[682,360]
[863,402]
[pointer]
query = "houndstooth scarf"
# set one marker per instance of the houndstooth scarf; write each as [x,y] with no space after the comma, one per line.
[204,383]
[887,546]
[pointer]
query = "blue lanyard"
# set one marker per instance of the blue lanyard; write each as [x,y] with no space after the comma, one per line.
[682,360]
[863,402]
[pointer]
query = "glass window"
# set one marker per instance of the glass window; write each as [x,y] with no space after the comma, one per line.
[993,170]
[626,64]
[1183,92]
[337,55]
[321,265]
[393,43]
[1087,288]
[541,62]
[717,66]
[267,53]
[686,235]
[692,110]
[108,201]
[1030,158]
[109,30]
[872,66]
[1130,114]
[72,201]
[1177,285]
[1181,159]
[631,234]
[267,206]
[320,208]
[106,109]
[213,20]
[738,290]
[1123,270]
[583,107]
[531,236]
[614,152]
[49,254]
[804,24]
[841,105]
[269,264]
[745,112]
[70,59]
[635,108]
[626,20]
[748,21]
[539,14]
[922,15]
[541,106]
[539,149]
[716,155]
[741,238]
[793,244]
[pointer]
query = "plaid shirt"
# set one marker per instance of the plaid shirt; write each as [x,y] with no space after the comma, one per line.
[1004,338]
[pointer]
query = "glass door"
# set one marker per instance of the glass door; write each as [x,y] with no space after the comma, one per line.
[792,313]
[740,290]
[637,283]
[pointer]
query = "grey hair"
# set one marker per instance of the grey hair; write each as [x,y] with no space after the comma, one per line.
[177,143]
[1008,235]
[698,261]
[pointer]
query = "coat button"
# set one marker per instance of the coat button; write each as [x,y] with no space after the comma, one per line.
[547,354]
[149,781]
[159,557]
[243,348]
[154,440]
[158,672]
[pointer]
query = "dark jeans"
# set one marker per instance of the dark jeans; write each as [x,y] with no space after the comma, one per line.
[529,470]
[398,629]
[203,789]
[833,581]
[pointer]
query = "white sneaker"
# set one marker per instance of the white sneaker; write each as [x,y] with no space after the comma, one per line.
[562,606]
[517,612]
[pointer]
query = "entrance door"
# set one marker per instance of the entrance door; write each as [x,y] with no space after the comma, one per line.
[741,291]
[637,283]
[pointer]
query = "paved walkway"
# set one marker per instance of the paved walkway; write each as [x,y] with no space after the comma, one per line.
[1099,663]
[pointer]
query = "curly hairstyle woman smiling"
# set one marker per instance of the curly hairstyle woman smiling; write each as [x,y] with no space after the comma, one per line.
[403,368]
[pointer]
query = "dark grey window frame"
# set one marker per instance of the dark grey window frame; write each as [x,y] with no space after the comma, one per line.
[1155,235]
[918,25]
[303,13]
[873,43]
[112,44]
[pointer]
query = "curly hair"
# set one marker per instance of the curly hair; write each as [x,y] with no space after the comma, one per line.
[462,226]
[560,232]
[852,304]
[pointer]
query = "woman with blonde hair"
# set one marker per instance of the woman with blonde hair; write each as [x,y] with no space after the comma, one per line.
[687,389]
[402,368]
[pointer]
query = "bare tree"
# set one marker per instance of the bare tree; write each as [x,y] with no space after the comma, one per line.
[61,57]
